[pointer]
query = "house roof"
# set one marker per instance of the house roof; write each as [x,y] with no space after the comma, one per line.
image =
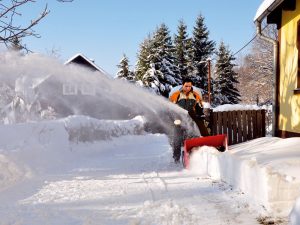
[78,58]
[266,8]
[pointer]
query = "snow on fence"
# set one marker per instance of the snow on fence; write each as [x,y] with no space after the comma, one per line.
[240,125]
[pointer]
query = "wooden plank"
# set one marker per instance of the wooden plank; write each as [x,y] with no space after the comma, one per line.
[245,124]
[239,126]
[249,125]
[211,121]
[258,123]
[215,123]
[254,122]
[229,127]
[263,122]
[234,127]
[220,123]
[224,123]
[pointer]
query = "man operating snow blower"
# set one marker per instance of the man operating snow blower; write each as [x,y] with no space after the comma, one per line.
[191,101]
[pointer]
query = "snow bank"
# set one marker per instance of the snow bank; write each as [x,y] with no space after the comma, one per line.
[86,129]
[45,146]
[50,134]
[28,136]
[295,214]
[261,168]
[10,172]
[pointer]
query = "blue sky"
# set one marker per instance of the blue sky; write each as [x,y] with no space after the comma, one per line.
[105,29]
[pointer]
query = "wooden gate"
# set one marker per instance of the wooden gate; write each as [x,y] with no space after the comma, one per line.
[239,126]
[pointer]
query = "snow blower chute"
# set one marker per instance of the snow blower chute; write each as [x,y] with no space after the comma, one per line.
[218,141]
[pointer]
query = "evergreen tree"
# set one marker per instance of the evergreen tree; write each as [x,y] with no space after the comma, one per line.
[163,74]
[182,49]
[225,91]
[124,72]
[202,49]
[152,80]
[143,61]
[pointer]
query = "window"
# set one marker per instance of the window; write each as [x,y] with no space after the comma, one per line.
[87,89]
[69,89]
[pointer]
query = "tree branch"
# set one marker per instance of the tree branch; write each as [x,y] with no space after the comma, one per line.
[9,32]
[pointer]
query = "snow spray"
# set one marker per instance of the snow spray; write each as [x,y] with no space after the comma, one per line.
[35,87]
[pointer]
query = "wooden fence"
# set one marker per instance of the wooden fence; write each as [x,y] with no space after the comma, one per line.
[239,126]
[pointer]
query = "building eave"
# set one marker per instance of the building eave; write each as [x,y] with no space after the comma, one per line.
[88,60]
[266,8]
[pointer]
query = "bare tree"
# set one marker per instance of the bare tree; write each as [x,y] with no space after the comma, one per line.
[256,70]
[262,52]
[9,30]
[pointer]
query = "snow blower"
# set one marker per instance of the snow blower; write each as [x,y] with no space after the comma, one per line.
[217,141]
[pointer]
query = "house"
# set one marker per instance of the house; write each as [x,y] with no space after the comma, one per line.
[286,105]
[80,91]
[83,88]
[82,60]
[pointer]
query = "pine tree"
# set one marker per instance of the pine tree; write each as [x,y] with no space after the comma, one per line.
[124,72]
[163,74]
[152,80]
[225,91]
[143,62]
[182,49]
[202,49]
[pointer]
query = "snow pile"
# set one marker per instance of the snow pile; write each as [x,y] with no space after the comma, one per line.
[236,107]
[86,129]
[10,172]
[30,136]
[45,146]
[50,134]
[261,168]
[205,162]
[295,214]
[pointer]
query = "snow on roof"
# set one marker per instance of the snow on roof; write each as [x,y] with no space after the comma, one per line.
[88,60]
[266,8]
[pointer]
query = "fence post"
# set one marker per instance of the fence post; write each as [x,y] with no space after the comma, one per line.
[240,128]
[229,127]
[258,124]
[215,123]
[220,122]
[234,127]
[211,121]
[250,124]
[263,121]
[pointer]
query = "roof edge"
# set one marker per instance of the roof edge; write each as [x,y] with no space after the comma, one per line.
[87,59]
[265,9]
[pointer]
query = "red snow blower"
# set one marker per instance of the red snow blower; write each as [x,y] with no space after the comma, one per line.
[218,141]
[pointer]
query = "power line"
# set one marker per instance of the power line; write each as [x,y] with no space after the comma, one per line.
[213,59]
[245,45]
[248,43]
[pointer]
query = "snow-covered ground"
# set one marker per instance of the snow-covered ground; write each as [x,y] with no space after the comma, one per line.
[51,173]
[109,170]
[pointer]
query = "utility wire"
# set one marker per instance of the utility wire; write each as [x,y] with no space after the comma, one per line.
[245,45]
[213,59]
[248,42]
